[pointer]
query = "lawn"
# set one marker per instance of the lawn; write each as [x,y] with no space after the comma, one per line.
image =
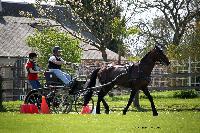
[175,116]
[167,121]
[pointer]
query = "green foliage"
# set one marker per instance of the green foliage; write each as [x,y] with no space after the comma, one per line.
[119,29]
[185,94]
[173,94]
[121,32]
[157,94]
[12,106]
[44,41]
[134,58]
[183,51]
[189,47]
[98,15]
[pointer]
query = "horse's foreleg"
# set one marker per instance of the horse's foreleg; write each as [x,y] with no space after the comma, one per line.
[133,92]
[146,92]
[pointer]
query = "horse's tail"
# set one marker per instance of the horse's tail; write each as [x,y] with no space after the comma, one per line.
[93,77]
[91,83]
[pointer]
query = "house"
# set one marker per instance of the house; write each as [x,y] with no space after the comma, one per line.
[15,28]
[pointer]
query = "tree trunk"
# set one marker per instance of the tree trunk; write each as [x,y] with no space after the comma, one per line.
[119,58]
[104,55]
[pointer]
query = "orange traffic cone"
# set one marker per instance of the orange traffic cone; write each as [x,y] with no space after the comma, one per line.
[44,106]
[33,109]
[24,108]
[86,110]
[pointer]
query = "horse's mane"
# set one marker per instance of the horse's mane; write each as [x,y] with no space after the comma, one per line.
[145,57]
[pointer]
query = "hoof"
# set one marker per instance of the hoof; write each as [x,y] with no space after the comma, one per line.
[155,114]
[124,112]
[106,111]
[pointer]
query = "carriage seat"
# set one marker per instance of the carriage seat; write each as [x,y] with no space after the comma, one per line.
[51,79]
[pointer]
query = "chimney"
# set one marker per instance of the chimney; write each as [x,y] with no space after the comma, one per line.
[0,6]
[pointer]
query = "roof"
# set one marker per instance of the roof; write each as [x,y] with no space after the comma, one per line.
[13,35]
[92,53]
[14,29]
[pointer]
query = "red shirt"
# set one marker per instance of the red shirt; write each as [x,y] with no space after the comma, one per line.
[31,76]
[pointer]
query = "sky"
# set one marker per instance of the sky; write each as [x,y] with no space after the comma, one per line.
[132,41]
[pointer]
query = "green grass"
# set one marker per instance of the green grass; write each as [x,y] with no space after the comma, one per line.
[175,116]
[168,121]
[162,104]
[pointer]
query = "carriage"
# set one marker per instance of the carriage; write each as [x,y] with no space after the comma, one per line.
[60,99]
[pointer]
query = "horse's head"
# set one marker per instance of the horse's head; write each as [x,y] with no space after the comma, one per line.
[160,56]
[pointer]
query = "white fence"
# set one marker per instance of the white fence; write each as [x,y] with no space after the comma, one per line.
[179,75]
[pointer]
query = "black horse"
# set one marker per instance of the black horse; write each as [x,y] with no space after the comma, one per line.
[137,77]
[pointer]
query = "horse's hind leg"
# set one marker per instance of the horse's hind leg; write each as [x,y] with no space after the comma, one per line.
[101,95]
[87,97]
[105,106]
[104,90]
[133,92]
[146,92]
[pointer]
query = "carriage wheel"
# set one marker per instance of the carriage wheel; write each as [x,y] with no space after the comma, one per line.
[79,104]
[34,98]
[62,104]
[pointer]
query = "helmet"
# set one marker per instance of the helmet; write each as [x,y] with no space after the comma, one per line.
[56,49]
[32,55]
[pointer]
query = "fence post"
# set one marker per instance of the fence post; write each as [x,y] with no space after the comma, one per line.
[189,71]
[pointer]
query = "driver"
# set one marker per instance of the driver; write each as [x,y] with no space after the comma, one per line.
[54,65]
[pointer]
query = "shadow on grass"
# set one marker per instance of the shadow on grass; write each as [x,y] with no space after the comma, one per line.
[164,109]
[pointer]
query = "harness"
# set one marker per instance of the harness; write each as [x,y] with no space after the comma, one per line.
[139,75]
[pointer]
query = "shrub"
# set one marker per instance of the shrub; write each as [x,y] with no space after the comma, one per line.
[12,106]
[185,94]
[158,94]
[43,42]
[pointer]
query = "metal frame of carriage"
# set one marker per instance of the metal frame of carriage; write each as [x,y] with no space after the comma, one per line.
[59,98]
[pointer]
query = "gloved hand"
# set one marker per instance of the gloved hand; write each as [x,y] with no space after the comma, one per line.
[67,63]
[42,71]
[75,65]
[72,65]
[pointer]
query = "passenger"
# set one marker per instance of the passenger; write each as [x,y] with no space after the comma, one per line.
[33,71]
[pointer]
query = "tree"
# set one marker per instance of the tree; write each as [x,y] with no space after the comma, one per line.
[44,41]
[177,14]
[120,32]
[98,15]
[190,46]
